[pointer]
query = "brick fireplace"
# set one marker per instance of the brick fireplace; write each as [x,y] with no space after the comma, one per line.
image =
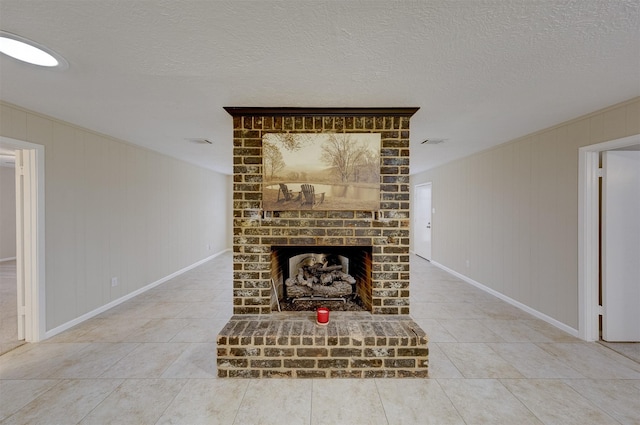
[381,341]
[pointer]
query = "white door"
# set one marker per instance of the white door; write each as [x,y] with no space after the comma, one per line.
[621,246]
[422,221]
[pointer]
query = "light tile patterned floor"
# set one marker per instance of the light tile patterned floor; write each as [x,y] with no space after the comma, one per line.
[152,361]
[8,307]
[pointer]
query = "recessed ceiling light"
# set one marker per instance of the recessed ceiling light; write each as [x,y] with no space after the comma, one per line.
[29,51]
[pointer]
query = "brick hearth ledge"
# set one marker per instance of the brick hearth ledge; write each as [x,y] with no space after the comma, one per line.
[292,345]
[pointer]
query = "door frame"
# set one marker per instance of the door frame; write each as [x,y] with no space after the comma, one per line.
[36,311]
[588,234]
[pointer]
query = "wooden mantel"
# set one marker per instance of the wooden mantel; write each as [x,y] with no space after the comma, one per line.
[241,111]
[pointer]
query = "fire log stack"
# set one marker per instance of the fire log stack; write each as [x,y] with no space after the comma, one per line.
[319,279]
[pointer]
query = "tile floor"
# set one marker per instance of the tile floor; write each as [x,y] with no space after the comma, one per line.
[627,349]
[151,361]
[8,307]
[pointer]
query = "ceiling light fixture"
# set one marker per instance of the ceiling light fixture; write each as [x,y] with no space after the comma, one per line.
[29,51]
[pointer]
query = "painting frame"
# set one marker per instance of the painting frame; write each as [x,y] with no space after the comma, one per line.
[321,171]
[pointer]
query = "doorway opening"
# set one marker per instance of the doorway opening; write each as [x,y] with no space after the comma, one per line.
[596,294]
[9,338]
[29,229]
[423,210]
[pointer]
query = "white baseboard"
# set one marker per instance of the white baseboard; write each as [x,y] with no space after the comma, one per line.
[2,260]
[568,329]
[93,313]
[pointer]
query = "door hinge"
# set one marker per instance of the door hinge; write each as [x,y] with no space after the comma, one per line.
[601,310]
[22,310]
[600,172]
[21,170]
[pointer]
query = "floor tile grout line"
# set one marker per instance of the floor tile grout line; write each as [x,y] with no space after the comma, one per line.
[561,380]
[184,385]
[244,394]
[558,358]
[449,398]
[518,398]
[448,358]
[101,401]
[588,400]
[624,354]
[386,417]
[313,384]
[59,382]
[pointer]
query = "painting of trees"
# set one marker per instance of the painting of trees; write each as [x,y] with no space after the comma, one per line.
[351,160]
[368,168]
[272,160]
[342,168]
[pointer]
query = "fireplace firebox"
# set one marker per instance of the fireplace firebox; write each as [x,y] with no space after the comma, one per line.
[322,273]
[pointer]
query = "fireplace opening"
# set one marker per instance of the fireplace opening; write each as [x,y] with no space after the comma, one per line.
[306,277]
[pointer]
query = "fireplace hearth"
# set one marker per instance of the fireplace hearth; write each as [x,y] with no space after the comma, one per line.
[351,345]
[299,254]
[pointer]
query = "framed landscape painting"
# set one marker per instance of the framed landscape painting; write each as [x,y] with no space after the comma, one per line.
[324,171]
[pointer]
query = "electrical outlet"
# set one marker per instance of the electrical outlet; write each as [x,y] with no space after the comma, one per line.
[114,281]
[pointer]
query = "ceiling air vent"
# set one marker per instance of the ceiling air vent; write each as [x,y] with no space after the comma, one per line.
[7,161]
[432,141]
[200,141]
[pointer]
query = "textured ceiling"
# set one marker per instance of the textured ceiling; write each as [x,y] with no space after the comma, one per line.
[483,72]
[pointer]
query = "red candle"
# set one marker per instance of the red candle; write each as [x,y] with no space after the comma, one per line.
[323,315]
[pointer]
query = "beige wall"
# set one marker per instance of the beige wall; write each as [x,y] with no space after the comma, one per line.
[116,210]
[512,211]
[7,212]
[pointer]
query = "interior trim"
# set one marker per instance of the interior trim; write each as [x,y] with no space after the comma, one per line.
[241,111]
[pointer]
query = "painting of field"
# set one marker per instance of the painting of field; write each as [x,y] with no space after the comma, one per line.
[321,171]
